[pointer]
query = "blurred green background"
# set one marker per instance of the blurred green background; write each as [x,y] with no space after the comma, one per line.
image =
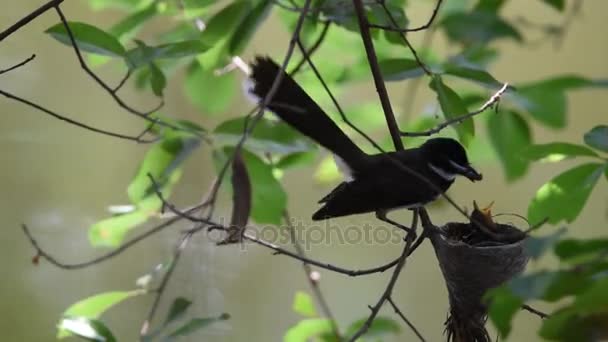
[59,180]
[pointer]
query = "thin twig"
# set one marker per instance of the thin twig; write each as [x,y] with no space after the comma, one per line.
[457,120]
[112,91]
[391,284]
[407,321]
[314,283]
[532,310]
[311,50]
[177,252]
[419,28]
[405,40]
[137,138]
[24,62]
[378,80]
[28,18]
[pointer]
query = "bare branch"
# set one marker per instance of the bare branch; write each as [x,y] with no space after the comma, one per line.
[532,310]
[28,18]
[407,321]
[137,138]
[24,62]
[311,50]
[419,28]
[378,80]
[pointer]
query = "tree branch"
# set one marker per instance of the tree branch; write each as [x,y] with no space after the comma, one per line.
[28,18]
[378,80]
[24,62]
[404,30]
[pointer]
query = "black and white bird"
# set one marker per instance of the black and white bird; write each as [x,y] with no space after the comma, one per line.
[373,183]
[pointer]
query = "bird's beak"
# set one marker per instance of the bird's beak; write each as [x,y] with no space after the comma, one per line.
[471,174]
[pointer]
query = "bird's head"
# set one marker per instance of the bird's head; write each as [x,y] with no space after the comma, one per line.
[448,158]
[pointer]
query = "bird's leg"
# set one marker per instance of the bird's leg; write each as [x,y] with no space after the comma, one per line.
[381,215]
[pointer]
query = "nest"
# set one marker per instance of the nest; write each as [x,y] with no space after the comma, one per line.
[475,257]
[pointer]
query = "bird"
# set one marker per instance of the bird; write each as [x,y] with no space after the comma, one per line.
[379,183]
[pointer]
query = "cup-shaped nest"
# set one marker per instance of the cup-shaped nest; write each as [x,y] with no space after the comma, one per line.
[475,257]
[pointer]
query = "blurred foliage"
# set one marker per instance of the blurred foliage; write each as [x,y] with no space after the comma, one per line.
[202,38]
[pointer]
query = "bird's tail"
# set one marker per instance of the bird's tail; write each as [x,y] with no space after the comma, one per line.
[291,103]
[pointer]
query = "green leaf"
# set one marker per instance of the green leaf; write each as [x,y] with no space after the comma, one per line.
[598,138]
[94,306]
[380,327]
[160,161]
[209,92]
[452,106]
[128,26]
[509,134]
[226,21]
[306,329]
[144,54]
[327,172]
[535,247]
[111,232]
[267,136]
[269,200]
[178,309]
[195,325]
[296,159]
[398,69]
[303,304]
[472,74]
[563,325]
[503,307]
[557,151]
[559,5]
[90,329]
[248,26]
[158,81]
[569,249]
[88,38]
[594,299]
[546,100]
[564,196]
[478,27]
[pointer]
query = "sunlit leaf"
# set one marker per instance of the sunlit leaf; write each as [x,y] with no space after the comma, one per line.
[296,159]
[510,135]
[303,304]
[94,306]
[307,329]
[598,138]
[452,106]
[557,151]
[564,196]
[111,232]
[88,38]
[160,161]
[90,329]
[327,172]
